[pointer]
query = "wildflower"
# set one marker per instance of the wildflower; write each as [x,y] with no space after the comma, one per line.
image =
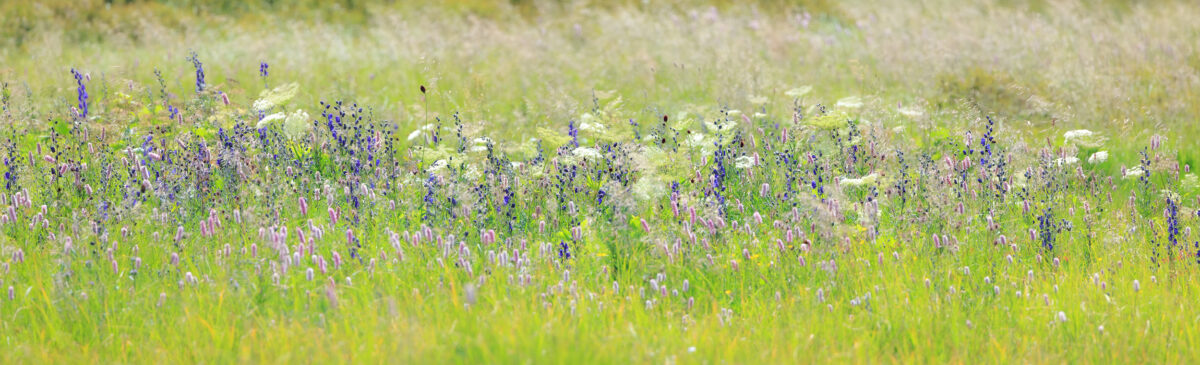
[830,121]
[1189,182]
[587,153]
[469,294]
[1061,317]
[649,188]
[744,162]
[850,102]
[868,180]
[331,295]
[588,124]
[1134,172]
[799,91]
[1098,157]
[417,132]
[1156,141]
[82,94]
[267,120]
[1069,160]
[296,124]
[911,112]
[1084,138]
[269,99]
[199,72]
[564,251]
[438,165]
[1078,133]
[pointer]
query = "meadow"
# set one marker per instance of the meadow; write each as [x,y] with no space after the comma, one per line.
[924,181]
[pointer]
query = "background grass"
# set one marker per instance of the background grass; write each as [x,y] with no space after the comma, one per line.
[1128,70]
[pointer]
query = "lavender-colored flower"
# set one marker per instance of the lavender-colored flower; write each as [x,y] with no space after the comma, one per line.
[564,251]
[195,60]
[81,94]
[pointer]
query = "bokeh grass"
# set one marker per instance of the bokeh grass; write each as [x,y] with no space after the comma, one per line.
[513,70]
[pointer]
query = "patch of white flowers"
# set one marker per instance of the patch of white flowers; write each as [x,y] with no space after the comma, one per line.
[744,162]
[276,97]
[1134,172]
[417,133]
[850,102]
[479,144]
[911,112]
[862,181]
[587,153]
[438,165]
[1069,160]
[798,92]
[1073,134]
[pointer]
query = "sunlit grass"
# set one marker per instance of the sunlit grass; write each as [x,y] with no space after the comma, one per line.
[545,182]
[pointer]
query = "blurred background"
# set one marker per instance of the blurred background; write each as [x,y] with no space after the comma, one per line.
[1129,69]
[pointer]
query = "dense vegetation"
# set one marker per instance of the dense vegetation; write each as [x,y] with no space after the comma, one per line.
[632,182]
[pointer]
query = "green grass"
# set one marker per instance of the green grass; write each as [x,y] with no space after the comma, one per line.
[872,286]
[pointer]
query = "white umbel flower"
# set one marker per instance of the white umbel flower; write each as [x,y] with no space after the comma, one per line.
[587,153]
[850,102]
